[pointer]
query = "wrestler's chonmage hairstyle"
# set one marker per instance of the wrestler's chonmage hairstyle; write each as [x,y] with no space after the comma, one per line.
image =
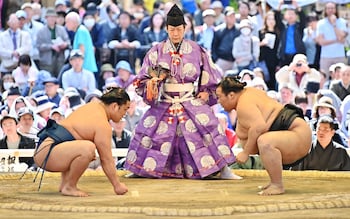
[231,83]
[115,95]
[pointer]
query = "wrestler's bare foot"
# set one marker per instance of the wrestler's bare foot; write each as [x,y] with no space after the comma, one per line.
[226,173]
[272,189]
[63,181]
[264,187]
[71,191]
[61,187]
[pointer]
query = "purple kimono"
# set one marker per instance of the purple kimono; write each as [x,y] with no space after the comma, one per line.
[179,136]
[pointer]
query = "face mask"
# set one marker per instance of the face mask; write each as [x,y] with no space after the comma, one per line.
[245,31]
[90,22]
[7,85]
[36,17]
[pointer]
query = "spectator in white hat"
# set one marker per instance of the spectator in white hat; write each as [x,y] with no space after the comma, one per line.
[125,76]
[44,106]
[259,83]
[334,71]
[247,76]
[13,139]
[334,75]
[219,15]
[57,114]
[22,18]
[246,47]
[70,100]
[19,102]
[78,76]
[61,5]
[300,76]
[26,126]
[325,107]
[94,96]
[51,86]
[206,33]
[110,82]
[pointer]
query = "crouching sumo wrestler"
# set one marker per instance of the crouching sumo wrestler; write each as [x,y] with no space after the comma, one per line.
[70,146]
[278,133]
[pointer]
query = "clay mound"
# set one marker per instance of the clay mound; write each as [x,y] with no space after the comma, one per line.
[179,197]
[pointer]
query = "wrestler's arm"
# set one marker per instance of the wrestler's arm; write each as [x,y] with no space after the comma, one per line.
[252,120]
[103,136]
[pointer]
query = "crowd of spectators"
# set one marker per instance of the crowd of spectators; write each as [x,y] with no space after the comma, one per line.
[55,59]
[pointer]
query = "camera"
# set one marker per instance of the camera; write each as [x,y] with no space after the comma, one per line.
[287,2]
[299,64]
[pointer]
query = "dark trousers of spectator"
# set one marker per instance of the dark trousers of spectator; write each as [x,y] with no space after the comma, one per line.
[286,59]
[37,63]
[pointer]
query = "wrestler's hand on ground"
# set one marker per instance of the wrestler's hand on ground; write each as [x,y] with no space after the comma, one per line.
[120,189]
[242,157]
